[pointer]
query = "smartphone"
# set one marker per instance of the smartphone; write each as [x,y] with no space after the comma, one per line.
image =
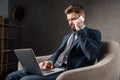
[81,18]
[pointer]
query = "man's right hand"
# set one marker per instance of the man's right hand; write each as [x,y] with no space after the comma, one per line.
[46,65]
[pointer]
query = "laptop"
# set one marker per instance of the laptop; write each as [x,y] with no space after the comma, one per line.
[30,64]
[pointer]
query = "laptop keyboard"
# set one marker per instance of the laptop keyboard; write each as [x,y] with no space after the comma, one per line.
[49,71]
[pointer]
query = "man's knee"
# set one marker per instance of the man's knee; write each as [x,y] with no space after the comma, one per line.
[15,75]
[10,77]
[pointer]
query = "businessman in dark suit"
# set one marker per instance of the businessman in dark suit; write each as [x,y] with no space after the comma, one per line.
[78,49]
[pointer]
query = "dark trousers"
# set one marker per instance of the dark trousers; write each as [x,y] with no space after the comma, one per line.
[22,75]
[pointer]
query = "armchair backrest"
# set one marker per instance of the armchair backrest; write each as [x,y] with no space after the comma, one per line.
[109,48]
[111,57]
[107,67]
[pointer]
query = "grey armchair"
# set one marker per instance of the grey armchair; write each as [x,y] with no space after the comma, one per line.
[106,67]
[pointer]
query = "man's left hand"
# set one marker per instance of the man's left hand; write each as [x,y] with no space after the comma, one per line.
[78,24]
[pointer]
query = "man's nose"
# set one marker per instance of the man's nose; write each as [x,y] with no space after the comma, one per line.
[71,23]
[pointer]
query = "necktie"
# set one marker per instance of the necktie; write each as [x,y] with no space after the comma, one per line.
[59,61]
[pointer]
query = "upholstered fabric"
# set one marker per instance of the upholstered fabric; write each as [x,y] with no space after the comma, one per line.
[107,67]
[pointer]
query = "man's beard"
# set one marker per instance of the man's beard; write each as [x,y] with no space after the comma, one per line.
[73,29]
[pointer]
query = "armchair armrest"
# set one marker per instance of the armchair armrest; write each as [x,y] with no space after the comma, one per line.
[106,69]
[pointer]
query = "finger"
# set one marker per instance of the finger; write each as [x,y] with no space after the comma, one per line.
[52,66]
[49,65]
[42,64]
[46,64]
[76,23]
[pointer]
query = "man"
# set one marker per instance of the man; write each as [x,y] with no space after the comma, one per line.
[78,49]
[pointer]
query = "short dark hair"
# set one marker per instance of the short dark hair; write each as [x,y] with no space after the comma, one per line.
[75,8]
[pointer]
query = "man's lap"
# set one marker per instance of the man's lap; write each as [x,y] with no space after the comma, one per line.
[16,75]
[22,75]
[38,77]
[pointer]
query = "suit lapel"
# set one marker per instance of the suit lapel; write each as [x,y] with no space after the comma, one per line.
[74,43]
[65,41]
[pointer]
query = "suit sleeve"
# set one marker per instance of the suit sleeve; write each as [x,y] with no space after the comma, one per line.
[90,42]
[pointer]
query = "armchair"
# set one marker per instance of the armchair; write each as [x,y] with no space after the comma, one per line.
[106,67]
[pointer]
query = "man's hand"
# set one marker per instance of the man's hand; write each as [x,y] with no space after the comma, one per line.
[46,65]
[78,23]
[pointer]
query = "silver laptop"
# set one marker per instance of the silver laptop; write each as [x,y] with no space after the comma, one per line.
[30,64]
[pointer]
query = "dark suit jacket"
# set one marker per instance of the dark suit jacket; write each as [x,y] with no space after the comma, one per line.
[84,50]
